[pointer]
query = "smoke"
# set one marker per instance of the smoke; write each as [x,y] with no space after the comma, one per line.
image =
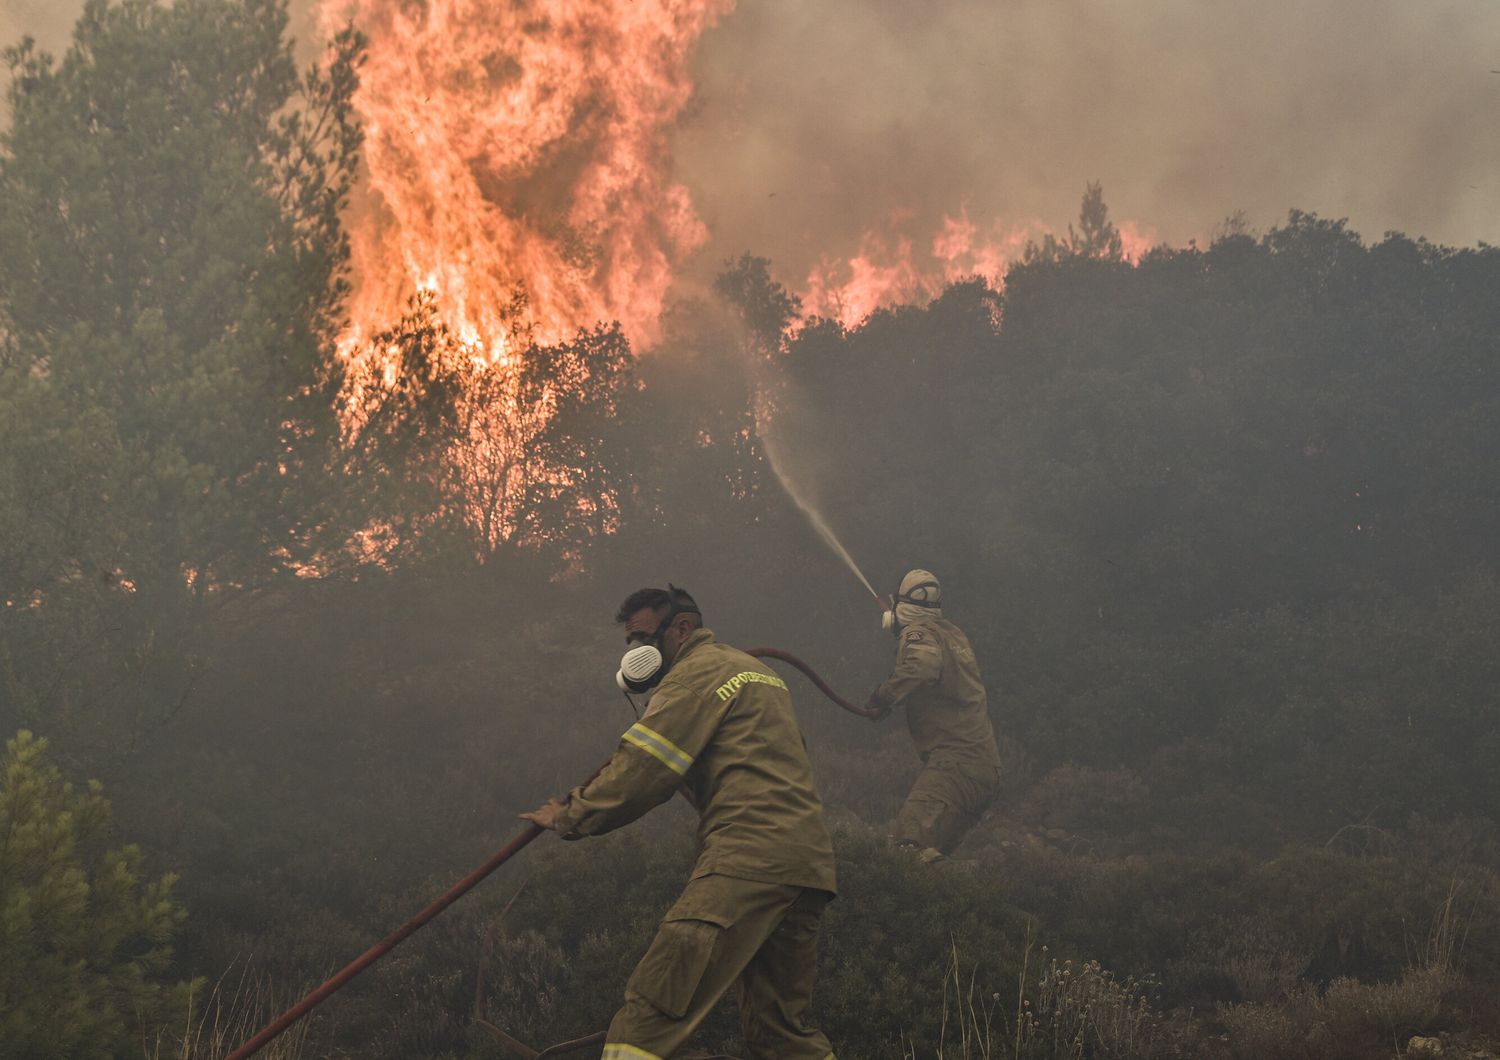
[49,22]
[818,123]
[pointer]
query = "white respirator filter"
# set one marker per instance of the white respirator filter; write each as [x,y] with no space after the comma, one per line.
[639,668]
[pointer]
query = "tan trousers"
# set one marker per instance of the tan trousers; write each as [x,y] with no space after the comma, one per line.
[946,801]
[760,938]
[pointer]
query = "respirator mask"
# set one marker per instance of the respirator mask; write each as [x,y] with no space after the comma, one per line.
[640,669]
[888,620]
[641,666]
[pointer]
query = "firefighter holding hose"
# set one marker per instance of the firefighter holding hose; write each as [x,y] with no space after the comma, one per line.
[936,678]
[720,726]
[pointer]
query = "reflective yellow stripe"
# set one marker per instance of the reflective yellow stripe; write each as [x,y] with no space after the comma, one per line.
[621,1051]
[731,686]
[663,749]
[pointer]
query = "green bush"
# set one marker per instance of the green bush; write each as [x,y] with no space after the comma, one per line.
[84,942]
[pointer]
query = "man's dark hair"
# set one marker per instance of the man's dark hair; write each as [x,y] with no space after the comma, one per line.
[657,598]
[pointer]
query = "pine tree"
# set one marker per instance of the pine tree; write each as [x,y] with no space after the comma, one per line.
[1096,236]
[84,941]
[169,291]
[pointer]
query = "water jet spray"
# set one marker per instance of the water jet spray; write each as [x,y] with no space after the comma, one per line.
[808,508]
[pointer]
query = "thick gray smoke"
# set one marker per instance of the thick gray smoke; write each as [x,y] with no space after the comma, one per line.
[818,121]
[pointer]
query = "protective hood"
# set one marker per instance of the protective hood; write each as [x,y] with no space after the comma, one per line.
[919,594]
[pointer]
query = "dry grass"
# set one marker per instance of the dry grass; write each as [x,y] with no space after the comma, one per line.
[969,1013]
[1086,1011]
[228,1017]
[1065,1014]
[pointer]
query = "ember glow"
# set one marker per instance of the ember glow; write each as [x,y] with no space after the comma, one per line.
[520,146]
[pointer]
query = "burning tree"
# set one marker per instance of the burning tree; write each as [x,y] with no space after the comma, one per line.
[461,450]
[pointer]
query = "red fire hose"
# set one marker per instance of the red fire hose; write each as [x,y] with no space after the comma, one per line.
[463,886]
[812,675]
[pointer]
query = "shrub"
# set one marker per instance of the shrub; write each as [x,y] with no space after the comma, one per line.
[1349,1019]
[83,942]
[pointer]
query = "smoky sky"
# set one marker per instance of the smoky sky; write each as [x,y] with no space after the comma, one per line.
[46,20]
[815,122]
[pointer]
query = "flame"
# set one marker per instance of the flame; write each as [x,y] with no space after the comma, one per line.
[888,270]
[523,147]
[1136,240]
[520,146]
[518,188]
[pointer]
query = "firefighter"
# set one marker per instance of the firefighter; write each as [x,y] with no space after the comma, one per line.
[719,725]
[936,679]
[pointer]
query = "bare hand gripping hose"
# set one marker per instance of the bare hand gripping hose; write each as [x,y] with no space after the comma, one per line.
[463,886]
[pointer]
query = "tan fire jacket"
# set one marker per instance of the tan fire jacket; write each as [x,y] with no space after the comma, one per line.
[721,726]
[937,680]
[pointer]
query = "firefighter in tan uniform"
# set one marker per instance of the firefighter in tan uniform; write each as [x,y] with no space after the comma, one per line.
[720,727]
[936,679]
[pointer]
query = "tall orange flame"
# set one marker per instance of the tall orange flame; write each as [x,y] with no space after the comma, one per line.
[521,144]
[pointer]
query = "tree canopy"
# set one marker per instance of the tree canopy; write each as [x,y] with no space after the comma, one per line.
[170,197]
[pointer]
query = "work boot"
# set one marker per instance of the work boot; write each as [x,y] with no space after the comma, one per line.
[931,856]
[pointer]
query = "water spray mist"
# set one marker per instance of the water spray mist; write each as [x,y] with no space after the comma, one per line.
[773,456]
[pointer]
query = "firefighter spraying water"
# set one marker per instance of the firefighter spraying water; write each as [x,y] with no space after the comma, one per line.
[936,678]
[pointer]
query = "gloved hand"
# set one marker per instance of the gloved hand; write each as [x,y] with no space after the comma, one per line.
[877,708]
